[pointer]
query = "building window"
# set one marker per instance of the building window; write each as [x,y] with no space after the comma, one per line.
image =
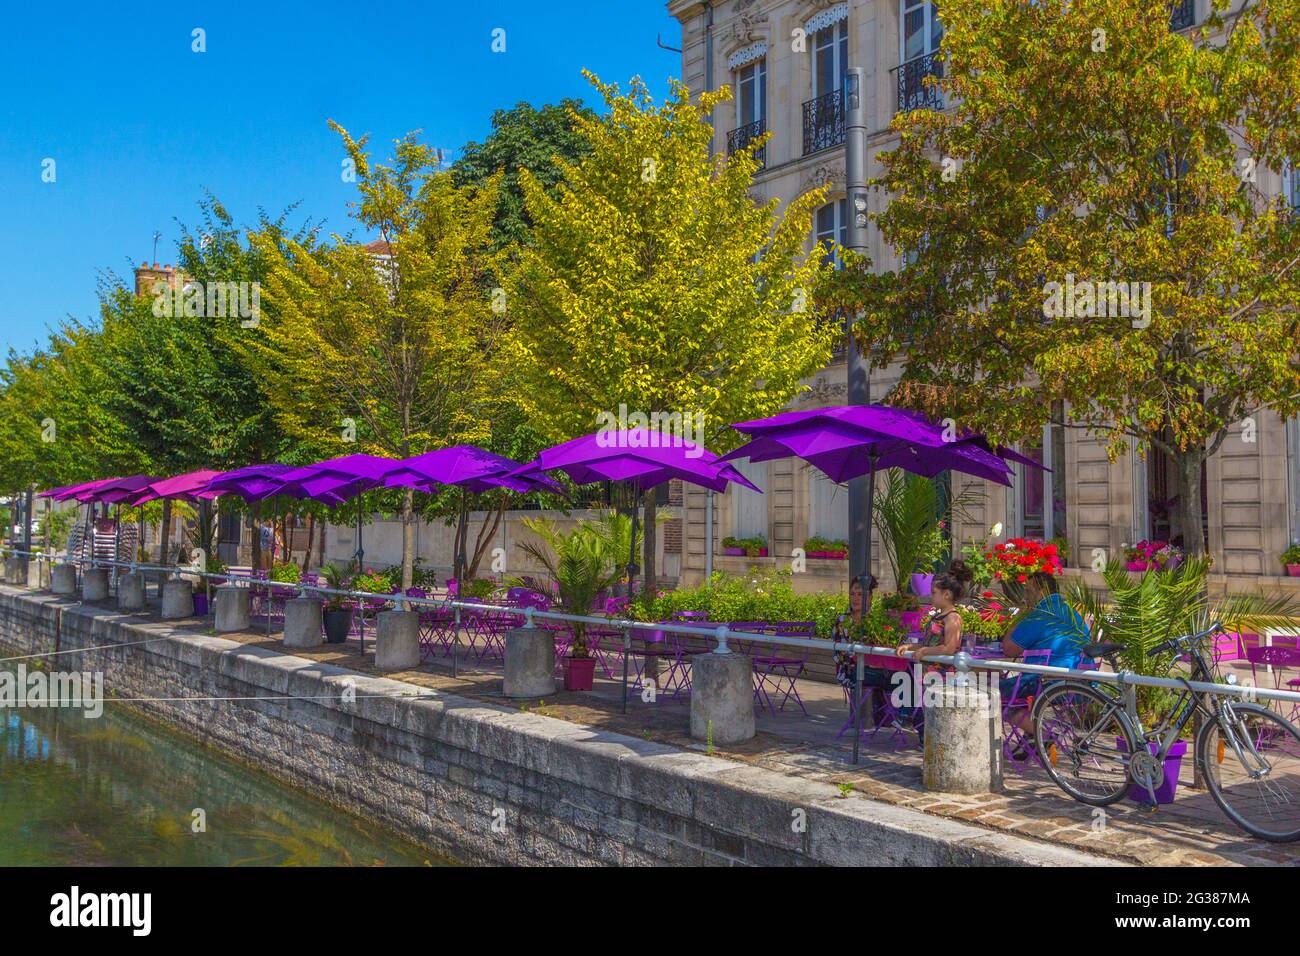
[823,115]
[920,34]
[749,508]
[827,507]
[832,227]
[751,109]
[1291,184]
[830,48]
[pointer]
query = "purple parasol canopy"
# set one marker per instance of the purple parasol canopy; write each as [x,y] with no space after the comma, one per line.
[342,478]
[252,482]
[643,457]
[189,486]
[468,467]
[848,441]
[112,490]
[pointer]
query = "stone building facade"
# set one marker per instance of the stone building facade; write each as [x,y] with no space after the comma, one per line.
[786,61]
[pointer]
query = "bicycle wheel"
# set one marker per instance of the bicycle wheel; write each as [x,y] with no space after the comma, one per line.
[1251,763]
[1084,742]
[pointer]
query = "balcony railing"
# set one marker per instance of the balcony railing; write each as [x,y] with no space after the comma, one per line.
[823,122]
[913,92]
[1183,15]
[742,136]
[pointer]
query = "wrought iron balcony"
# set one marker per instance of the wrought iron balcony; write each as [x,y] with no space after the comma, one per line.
[742,136]
[1183,15]
[913,92]
[823,122]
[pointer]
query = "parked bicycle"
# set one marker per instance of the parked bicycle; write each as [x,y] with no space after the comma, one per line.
[1091,740]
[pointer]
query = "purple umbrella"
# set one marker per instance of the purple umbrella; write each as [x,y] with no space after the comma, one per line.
[638,455]
[847,441]
[469,468]
[189,486]
[252,482]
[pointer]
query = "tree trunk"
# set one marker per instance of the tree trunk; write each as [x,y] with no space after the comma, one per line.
[320,546]
[487,533]
[408,538]
[649,577]
[257,537]
[311,539]
[164,536]
[1187,468]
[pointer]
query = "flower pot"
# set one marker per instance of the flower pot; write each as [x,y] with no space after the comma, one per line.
[1293,570]
[1136,565]
[579,673]
[909,621]
[337,624]
[1173,763]
[200,603]
[922,584]
[734,552]
[829,555]
[1173,562]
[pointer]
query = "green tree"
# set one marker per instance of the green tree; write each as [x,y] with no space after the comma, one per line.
[655,281]
[523,138]
[403,341]
[1088,145]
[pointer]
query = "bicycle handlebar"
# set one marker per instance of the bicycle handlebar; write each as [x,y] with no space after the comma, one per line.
[1174,642]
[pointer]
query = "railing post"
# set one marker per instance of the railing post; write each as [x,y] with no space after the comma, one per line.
[721,635]
[859,669]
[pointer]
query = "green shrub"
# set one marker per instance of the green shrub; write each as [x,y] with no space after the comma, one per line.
[816,543]
[286,572]
[765,596]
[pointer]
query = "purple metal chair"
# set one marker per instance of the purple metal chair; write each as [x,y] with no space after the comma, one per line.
[1015,738]
[778,666]
[1275,658]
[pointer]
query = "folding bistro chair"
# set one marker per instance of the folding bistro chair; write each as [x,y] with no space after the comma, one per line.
[777,670]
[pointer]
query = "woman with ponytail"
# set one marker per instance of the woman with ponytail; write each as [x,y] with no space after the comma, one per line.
[944,627]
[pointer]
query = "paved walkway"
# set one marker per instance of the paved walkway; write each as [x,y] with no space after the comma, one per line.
[1190,832]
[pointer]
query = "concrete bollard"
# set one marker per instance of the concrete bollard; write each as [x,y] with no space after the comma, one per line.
[722,698]
[38,575]
[302,622]
[397,640]
[63,579]
[963,736]
[177,599]
[530,662]
[94,585]
[130,592]
[16,571]
[233,606]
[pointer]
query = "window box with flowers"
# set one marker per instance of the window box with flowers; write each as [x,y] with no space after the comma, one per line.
[816,547]
[755,547]
[1291,560]
[1152,556]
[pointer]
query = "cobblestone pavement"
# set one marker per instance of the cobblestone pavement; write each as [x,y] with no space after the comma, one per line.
[1190,832]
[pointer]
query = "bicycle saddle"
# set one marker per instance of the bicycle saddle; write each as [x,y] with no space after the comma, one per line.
[1103,649]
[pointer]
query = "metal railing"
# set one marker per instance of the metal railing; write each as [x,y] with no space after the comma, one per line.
[914,93]
[721,634]
[823,122]
[740,138]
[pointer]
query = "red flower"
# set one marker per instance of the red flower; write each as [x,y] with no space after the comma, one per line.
[1021,578]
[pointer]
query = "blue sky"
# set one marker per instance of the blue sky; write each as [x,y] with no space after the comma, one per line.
[139,125]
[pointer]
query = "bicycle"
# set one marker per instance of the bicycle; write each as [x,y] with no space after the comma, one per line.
[1094,747]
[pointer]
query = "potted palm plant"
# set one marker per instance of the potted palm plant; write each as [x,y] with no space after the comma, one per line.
[583,563]
[336,613]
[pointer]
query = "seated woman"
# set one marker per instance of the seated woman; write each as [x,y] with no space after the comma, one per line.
[850,627]
[1050,625]
[944,627]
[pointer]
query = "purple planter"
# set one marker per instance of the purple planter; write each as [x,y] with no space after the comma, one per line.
[829,555]
[922,584]
[1173,763]
[1293,570]
[200,603]
[741,553]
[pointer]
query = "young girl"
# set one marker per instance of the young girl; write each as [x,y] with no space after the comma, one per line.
[944,628]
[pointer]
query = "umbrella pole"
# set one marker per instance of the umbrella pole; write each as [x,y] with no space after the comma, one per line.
[631,551]
[462,533]
[117,544]
[865,581]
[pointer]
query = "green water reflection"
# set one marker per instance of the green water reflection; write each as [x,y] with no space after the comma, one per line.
[119,790]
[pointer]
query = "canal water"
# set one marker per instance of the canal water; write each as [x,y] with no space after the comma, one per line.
[118,790]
